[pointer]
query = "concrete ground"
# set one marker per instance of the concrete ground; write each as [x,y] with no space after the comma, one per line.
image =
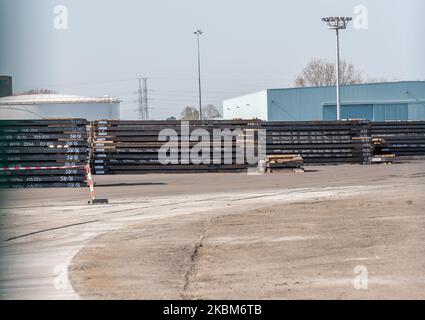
[325,234]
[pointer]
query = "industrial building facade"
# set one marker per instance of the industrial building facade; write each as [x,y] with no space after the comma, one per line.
[404,100]
[5,86]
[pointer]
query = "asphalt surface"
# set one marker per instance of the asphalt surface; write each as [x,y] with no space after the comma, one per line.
[52,241]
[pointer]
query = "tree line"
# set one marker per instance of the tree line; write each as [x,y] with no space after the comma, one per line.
[321,72]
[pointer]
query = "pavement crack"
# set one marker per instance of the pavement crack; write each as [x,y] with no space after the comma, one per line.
[194,260]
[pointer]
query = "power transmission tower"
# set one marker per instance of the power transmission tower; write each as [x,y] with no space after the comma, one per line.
[142,100]
[145,98]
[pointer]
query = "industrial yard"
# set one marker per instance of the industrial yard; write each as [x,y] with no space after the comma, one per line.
[98,210]
[202,153]
[276,236]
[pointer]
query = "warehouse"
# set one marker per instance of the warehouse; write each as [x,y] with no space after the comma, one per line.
[39,106]
[404,100]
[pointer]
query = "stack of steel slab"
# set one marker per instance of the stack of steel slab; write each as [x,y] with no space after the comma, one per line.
[403,138]
[127,147]
[321,142]
[380,156]
[58,143]
[284,162]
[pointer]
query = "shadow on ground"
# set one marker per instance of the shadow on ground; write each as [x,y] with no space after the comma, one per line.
[123,184]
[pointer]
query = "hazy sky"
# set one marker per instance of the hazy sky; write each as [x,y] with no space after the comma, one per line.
[247,46]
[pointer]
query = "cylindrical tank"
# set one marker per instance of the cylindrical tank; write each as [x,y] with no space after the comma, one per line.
[41,106]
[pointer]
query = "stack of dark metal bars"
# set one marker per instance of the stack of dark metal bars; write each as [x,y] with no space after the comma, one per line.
[403,138]
[321,142]
[127,147]
[28,148]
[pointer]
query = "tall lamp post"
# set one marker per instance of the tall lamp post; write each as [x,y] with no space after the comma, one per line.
[198,33]
[337,23]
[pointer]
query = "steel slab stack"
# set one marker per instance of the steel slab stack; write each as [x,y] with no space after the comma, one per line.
[321,142]
[43,143]
[403,138]
[287,162]
[128,147]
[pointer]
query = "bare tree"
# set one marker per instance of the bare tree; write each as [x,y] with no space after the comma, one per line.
[38,91]
[376,79]
[321,72]
[210,112]
[189,113]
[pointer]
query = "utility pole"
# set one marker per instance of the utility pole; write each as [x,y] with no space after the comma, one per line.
[140,108]
[198,33]
[337,23]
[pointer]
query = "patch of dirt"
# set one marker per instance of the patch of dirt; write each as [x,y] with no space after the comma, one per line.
[289,251]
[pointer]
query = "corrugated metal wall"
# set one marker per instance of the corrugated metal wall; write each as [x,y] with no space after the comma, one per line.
[372,112]
[377,101]
[396,111]
[416,111]
[363,111]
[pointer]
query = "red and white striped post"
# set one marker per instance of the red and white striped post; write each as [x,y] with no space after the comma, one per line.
[90,183]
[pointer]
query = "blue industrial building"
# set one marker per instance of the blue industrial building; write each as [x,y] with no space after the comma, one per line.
[404,100]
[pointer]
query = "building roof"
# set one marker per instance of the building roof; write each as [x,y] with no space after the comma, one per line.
[30,99]
[391,88]
[364,84]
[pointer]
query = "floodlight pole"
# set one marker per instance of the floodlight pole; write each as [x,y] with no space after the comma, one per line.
[198,33]
[338,96]
[337,23]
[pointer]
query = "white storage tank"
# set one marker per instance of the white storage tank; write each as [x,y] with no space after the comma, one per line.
[40,106]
